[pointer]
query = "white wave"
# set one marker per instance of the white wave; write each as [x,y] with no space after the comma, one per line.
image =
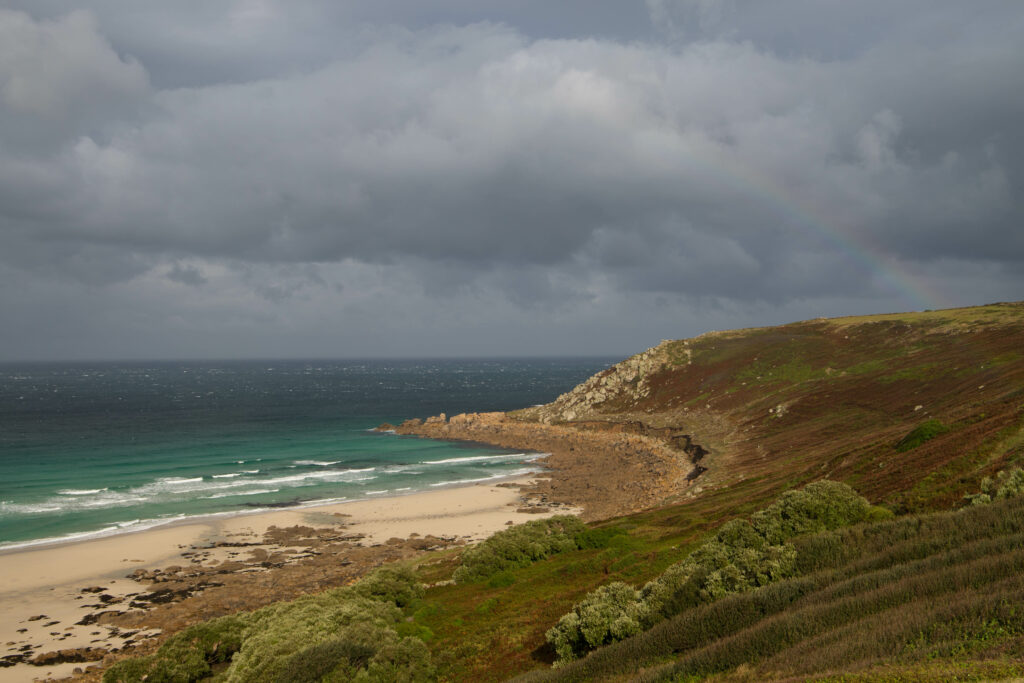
[112,502]
[112,530]
[402,469]
[80,492]
[328,475]
[231,475]
[480,458]
[178,480]
[318,463]
[240,493]
[163,488]
[374,493]
[29,508]
[503,475]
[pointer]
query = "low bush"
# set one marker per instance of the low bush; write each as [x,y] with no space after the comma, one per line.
[1006,484]
[360,654]
[610,613]
[338,635]
[599,538]
[279,631]
[519,546]
[185,656]
[925,431]
[819,506]
[338,656]
[391,583]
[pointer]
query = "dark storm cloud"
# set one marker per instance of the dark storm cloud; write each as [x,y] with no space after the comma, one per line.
[299,159]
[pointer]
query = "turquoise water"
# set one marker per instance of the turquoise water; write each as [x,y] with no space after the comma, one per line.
[103,448]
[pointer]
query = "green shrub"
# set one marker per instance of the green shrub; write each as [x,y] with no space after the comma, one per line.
[185,656]
[341,634]
[338,656]
[390,584]
[132,670]
[519,546]
[1006,484]
[817,507]
[598,538]
[279,631]
[918,435]
[713,571]
[359,653]
[401,661]
[610,613]
[501,579]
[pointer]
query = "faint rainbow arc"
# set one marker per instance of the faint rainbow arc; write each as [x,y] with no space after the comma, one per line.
[809,218]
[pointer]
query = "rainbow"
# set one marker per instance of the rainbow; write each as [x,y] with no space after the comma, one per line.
[814,221]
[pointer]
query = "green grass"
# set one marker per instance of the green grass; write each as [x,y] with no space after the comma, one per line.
[792,372]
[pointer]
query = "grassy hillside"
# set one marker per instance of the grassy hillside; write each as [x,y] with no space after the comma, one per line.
[835,398]
[912,411]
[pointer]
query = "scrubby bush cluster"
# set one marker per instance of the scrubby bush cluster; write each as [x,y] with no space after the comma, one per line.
[926,431]
[741,556]
[1006,484]
[344,634]
[185,656]
[520,546]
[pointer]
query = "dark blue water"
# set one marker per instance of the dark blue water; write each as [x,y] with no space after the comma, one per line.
[91,449]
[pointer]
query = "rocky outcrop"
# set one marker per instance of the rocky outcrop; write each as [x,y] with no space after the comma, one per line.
[627,381]
[607,468]
[77,654]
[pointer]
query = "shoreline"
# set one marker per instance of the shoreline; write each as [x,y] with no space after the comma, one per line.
[194,568]
[157,523]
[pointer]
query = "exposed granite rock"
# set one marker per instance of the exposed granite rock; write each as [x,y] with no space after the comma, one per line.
[625,380]
[78,654]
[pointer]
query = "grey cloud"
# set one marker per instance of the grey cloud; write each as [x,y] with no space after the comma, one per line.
[735,161]
[60,78]
[187,275]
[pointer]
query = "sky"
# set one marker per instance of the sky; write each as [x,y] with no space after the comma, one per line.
[398,178]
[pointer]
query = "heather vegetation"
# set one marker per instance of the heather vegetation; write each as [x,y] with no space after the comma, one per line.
[741,556]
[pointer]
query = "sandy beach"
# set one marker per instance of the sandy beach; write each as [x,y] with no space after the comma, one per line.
[47,593]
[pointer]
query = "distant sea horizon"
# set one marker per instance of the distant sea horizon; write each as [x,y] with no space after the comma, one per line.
[97,448]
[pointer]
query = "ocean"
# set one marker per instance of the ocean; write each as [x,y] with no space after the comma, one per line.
[95,449]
